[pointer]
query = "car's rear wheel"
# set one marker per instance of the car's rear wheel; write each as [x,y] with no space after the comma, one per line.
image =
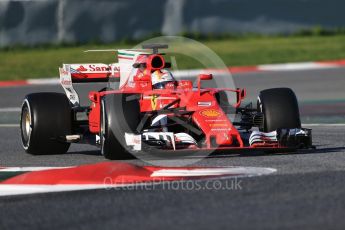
[280,109]
[120,114]
[45,121]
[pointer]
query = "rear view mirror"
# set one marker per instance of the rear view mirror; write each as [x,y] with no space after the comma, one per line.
[203,77]
[243,93]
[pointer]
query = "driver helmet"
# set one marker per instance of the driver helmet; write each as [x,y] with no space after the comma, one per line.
[142,62]
[160,78]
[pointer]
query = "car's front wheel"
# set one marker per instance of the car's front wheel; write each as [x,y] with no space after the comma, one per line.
[120,114]
[280,109]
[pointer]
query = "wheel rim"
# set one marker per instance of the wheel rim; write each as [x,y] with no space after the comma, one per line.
[26,125]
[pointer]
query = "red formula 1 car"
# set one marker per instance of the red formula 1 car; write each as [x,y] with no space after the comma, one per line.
[149,110]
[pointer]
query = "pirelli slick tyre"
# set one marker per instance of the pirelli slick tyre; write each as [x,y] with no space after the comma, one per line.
[280,109]
[46,119]
[120,114]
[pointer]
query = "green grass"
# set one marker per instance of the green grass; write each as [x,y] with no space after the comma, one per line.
[23,63]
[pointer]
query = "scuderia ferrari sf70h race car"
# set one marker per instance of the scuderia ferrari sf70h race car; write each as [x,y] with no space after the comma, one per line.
[150,111]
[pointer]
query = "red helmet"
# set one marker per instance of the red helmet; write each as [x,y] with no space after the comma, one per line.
[141,59]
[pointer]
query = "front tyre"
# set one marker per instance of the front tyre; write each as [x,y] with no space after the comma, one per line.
[46,119]
[120,114]
[280,109]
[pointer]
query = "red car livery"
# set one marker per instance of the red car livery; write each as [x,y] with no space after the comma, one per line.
[145,108]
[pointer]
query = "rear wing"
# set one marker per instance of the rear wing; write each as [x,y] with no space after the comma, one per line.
[98,72]
[92,72]
[85,73]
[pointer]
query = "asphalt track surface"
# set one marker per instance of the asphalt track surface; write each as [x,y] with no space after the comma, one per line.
[308,190]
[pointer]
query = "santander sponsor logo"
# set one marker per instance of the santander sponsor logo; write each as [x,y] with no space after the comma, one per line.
[94,68]
[81,69]
[98,68]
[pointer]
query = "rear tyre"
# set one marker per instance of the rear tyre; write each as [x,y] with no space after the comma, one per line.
[280,109]
[120,114]
[45,121]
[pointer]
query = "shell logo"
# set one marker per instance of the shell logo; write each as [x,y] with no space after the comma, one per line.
[210,113]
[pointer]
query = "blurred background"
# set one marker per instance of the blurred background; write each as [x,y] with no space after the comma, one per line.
[81,21]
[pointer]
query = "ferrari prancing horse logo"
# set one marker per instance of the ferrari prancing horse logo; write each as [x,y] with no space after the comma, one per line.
[154,101]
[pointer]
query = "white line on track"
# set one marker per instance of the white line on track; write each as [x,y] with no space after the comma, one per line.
[44,81]
[10,109]
[28,169]
[324,125]
[295,66]
[9,125]
[213,172]
[7,190]
[22,189]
